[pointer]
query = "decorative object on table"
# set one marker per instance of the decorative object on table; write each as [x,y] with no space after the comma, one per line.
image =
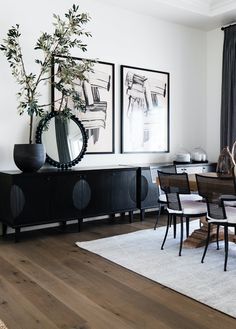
[198,155]
[182,156]
[65,139]
[226,161]
[97,92]
[63,39]
[144,110]
[233,155]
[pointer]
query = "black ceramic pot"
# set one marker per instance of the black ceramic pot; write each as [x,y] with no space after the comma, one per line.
[29,157]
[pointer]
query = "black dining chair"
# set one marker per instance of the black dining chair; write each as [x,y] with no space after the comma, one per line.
[185,195]
[162,202]
[219,193]
[176,186]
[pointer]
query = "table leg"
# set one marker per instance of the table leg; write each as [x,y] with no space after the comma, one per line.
[198,237]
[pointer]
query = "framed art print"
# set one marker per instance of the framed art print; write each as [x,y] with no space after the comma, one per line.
[97,95]
[144,110]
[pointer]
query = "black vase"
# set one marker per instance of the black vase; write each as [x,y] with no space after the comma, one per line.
[29,157]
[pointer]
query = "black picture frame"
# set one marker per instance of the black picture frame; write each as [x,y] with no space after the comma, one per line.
[98,94]
[144,110]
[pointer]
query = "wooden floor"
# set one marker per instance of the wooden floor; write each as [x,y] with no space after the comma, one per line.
[48,282]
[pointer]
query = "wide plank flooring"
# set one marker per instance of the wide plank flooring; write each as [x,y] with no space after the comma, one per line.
[47,282]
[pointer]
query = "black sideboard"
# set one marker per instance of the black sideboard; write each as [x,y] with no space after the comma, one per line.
[50,196]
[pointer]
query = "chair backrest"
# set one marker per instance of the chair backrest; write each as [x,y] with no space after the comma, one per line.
[174,184]
[214,190]
[171,168]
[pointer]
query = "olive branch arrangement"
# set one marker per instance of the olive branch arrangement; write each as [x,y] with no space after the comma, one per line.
[66,36]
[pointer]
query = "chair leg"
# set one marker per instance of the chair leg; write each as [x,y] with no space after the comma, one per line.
[158,215]
[181,235]
[217,237]
[207,242]
[174,224]
[226,245]
[187,227]
[173,219]
[167,229]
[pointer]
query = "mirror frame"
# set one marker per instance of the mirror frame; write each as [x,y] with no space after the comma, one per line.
[41,126]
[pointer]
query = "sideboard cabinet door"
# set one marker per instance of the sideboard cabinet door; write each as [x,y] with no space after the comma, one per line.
[66,196]
[26,198]
[124,190]
[147,189]
[96,192]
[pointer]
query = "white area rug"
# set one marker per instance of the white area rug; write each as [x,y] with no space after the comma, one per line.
[140,252]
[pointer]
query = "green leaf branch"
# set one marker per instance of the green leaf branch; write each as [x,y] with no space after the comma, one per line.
[60,43]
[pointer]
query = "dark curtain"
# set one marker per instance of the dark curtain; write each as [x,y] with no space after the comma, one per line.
[228,96]
[61,128]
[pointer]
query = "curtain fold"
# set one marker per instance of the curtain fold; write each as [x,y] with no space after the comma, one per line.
[228,91]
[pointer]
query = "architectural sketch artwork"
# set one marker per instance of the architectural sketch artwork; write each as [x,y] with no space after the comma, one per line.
[145,110]
[98,119]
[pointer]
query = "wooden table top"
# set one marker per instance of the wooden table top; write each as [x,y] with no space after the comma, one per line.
[193,182]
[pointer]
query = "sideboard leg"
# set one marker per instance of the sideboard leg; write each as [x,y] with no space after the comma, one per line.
[17,234]
[4,229]
[80,221]
[112,218]
[63,226]
[142,214]
[131,216]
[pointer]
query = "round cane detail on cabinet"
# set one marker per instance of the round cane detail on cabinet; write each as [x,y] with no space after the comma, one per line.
[81,188]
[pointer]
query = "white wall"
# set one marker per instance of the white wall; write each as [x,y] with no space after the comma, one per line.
[214,75]
[120,37]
